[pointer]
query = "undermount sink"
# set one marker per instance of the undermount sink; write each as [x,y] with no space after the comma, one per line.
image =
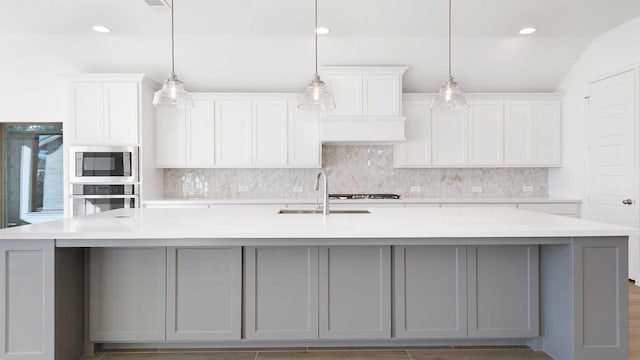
[319,211]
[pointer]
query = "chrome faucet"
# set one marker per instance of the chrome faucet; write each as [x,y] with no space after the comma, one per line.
[325,188]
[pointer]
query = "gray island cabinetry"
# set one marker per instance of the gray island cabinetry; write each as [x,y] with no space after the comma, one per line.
[394,277]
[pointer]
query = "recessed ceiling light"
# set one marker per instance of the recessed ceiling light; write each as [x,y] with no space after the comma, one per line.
[101,29]
[528,30]
[322,31]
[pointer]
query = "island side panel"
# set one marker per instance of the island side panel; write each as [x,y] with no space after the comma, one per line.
[27,300]
[556,301]
[69,303]
[601,303]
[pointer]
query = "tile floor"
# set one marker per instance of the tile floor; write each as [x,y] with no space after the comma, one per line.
[367,354]
[371,354]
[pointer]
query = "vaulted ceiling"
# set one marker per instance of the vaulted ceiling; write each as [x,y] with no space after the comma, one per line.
[245,45]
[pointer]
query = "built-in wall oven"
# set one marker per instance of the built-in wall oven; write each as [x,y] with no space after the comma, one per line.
[103,164]
[87,199]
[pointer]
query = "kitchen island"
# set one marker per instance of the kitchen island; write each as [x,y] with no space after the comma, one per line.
[245,277]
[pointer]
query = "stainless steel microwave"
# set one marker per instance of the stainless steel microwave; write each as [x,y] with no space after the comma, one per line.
[103,164]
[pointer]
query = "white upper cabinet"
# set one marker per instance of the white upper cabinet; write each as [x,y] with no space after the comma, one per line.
[547,132]
[238,131]
[170,142]
[533,132]
[518,137]
[184,136]
[368,104]
[497,130]
[416,150]
[105,108]
[486,133]
[450,137]
[304,137]
[270,132]
[233,133]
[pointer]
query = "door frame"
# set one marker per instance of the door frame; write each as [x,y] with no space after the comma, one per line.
[634,270]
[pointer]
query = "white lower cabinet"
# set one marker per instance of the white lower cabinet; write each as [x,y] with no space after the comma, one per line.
[503,291]
[355,292]
[204,293]
[127,294]
[281,293]
[27,299]
[430,292]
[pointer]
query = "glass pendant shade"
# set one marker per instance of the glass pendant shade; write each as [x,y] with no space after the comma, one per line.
[450,97]
[316,96]
[172,94]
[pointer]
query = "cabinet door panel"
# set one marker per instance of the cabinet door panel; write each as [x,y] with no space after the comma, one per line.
[381,95]
[355,292]
[233,133]
[546,115]
[121,126]
[431,291]
[201,134]
[304,138]
[27,300]
[485,132]
[270,133]
[88,113]
[416,151]
[281,293]
[203,293]
[347,92]
[503,291]
[518,133]
[450,137]
[127,294]
[170,142]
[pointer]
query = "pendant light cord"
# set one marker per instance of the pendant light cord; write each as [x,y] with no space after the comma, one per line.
[173,60]
[315,31]
[449,38]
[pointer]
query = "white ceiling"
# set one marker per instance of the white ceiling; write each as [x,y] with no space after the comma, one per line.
[242,44]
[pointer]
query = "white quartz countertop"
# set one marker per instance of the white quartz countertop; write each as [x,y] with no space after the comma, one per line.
[266,201]
[264,226]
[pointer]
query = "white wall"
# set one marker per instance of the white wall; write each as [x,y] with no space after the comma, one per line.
[32,90]
[612,51]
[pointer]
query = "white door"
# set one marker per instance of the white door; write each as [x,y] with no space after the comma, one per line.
[612,177]
[233,133]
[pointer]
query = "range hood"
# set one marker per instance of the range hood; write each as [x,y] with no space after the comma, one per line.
[368,104]
[362,130]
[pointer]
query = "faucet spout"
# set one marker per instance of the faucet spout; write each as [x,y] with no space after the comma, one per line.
[325,189]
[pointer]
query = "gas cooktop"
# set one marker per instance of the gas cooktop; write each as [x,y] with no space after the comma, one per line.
[363,196]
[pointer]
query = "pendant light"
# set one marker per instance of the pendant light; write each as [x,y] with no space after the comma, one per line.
[316,96]
[172,93]
[450,97]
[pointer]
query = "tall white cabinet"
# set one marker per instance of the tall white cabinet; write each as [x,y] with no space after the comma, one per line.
[106,109]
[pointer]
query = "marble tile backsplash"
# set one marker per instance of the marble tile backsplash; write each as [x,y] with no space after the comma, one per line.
[355,169]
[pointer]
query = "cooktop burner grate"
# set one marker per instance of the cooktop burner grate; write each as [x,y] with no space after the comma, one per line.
[364,196]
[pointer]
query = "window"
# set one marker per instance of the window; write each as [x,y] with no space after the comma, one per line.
[33,167]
